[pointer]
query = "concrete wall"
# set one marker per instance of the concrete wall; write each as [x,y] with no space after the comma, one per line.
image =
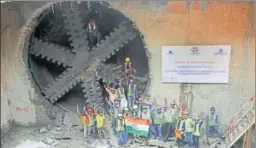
[162,24]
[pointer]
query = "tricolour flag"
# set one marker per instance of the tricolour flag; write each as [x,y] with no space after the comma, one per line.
[138,127]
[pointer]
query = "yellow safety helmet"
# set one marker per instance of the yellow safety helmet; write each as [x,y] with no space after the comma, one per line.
[127,59]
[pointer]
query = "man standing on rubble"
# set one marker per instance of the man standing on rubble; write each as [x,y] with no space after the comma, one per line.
[189,126]
[145,114]
[135,111]
[120,129]
[158,118]
[85,119]
[113,111]
[197,132]
[179,131]
[175,112]
[121,96]
[100,120]
[91,124]
[168,118]
[131,92]
[212,122]
[111,92]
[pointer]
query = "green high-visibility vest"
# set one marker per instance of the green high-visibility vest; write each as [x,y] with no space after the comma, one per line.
[130,93]
[180,124]
[188,125]
[197,130]
[120,125]
[212,120]
[158,118]
[174,114]
[168,116]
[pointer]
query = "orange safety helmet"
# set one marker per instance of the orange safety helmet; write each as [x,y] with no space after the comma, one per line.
[90,110]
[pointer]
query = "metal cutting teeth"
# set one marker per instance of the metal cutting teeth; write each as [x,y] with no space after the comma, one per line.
[51,52]
[82,64]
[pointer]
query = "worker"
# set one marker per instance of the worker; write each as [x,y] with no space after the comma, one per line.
[197,132]
[179,131]
[121,96]
[182,109]
[113,111]
[128,65]
[145,114]
[111,92]
[91,129]
[131,93]
[168,118]
[212,122]
[115,83]
[93,33]
[174,111]
[120,129]
[189,127]
[85,119]
[100,120]
[157,122]
[135,111]
[127,113]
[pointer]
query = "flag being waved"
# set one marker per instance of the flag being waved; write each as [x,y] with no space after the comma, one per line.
[138,127]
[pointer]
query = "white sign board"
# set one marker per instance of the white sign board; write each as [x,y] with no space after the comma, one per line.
[196,64]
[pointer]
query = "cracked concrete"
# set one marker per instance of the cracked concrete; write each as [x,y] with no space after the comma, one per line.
[221,23]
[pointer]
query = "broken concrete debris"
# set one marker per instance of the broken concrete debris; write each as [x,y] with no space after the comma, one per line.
[43,129]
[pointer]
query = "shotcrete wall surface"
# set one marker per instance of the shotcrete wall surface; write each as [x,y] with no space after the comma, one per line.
[162,24]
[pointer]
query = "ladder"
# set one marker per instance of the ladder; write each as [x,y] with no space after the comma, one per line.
[241,123]
[247,139]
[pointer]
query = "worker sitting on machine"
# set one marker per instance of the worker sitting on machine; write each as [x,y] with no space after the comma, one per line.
[93,33]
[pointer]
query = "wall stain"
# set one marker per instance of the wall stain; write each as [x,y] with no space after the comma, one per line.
[187,95]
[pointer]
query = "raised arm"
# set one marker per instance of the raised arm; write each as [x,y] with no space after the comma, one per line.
[107,89]
[77,110]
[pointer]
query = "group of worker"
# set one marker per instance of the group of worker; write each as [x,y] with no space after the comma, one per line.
[123,101]
[93,120]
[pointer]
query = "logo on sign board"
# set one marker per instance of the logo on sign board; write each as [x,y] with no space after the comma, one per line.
[170,52]
[195,50]
[220,52]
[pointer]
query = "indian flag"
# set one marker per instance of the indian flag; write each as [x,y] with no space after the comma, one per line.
[138,127]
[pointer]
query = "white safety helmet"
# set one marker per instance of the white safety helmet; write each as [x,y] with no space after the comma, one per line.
[135,106]
[120,115]
[126,109]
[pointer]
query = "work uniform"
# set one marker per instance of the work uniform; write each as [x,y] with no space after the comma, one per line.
[122,98]
[100,122]
[127,66]
[212,122]
[157,123]
[197,134]
[188,130]
[148,117]
[91,126]
[120,126]
[85,122]
[175,113]
[180,128]
[93,33]
[168,118]
[131,94]
[135,113]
